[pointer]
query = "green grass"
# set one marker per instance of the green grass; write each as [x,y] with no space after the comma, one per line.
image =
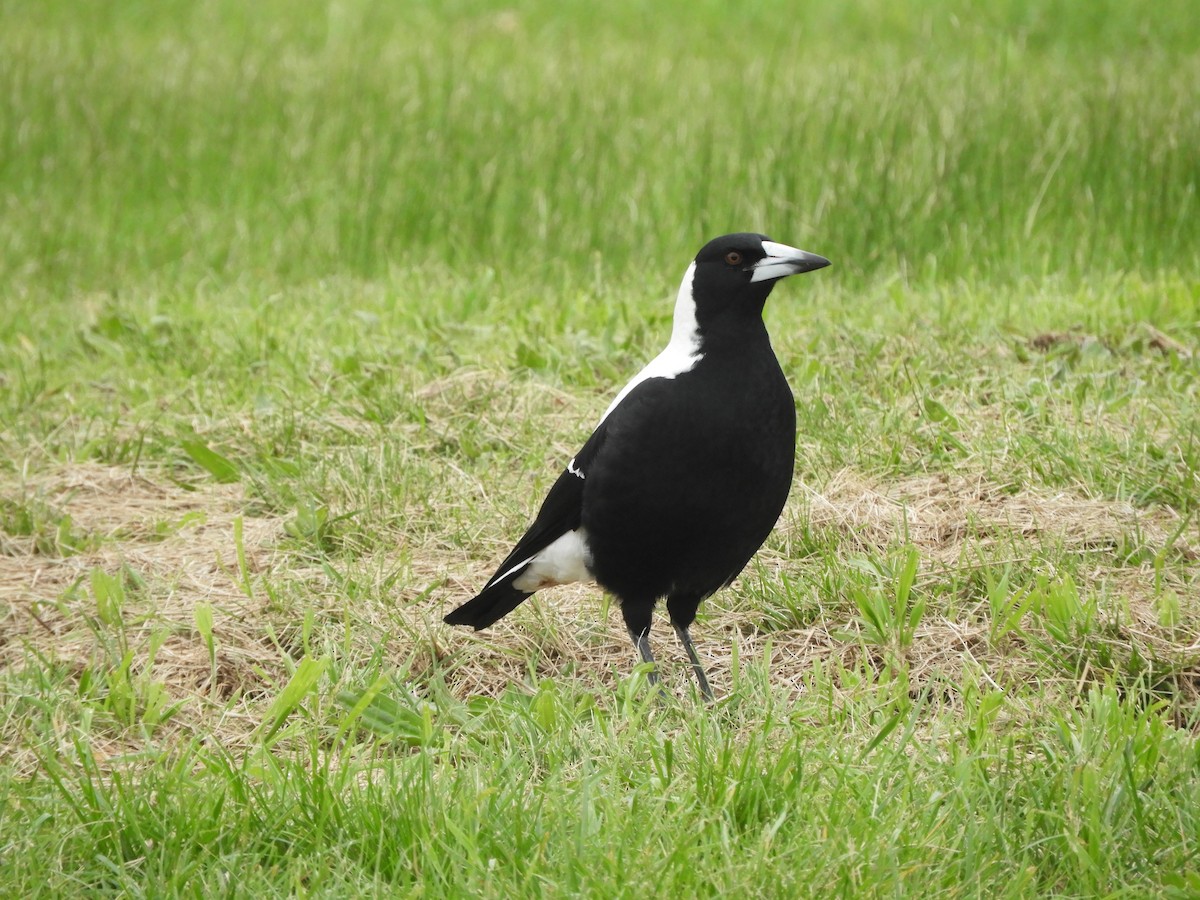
[304,304]
[552,792]
[233,144]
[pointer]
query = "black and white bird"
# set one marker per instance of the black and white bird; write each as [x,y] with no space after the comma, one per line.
[688,469]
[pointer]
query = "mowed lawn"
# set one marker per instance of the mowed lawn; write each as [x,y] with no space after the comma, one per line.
[305,305]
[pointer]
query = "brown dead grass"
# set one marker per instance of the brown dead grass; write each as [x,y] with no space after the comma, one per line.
[944,515]
[1153,337]
[181,544]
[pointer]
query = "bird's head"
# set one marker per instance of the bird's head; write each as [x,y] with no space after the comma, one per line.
[746,266]
[735,263]
[729,281]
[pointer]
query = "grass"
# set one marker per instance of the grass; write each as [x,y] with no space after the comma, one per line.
[229,144]
[304,305]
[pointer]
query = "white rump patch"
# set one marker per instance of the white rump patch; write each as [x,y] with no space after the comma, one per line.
[563,562]
[682,352]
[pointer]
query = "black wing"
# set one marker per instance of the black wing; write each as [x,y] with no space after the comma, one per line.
[561,511]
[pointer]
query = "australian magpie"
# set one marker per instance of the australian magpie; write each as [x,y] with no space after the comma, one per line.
[688,469]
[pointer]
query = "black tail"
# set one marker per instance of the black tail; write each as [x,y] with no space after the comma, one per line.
[493,603]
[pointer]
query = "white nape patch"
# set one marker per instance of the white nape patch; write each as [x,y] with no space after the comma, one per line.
[564,561]
[780,261]
[681,353]
[574,470]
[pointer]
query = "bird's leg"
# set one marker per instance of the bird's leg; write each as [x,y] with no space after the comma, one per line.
[641,640]
[701,678]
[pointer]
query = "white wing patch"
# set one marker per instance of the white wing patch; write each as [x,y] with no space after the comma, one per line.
[508,572]
[681,353]
[575,470]
[563,562]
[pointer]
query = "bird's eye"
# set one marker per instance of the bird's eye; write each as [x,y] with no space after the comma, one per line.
[733,258]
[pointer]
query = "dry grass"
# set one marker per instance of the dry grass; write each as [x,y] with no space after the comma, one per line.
[958,522]
[943,515]
[180,543]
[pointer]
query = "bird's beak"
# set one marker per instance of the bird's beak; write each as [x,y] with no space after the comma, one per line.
[782,261]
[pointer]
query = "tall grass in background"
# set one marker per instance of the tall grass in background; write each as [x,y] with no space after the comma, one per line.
[180,141]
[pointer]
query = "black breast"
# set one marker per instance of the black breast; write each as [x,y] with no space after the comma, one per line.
[691,479]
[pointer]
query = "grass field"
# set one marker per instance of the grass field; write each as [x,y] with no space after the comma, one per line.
[306,304]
